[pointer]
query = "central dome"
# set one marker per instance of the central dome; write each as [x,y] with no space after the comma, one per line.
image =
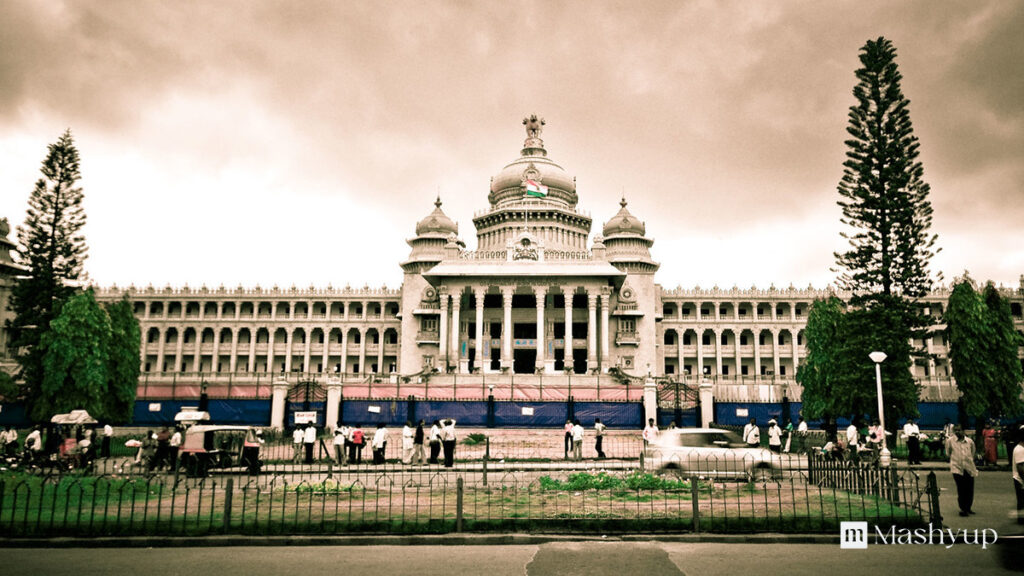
[533,164]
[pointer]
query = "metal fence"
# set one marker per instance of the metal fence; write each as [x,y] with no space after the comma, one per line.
[438,501]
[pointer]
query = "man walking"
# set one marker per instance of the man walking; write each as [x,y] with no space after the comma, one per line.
[297,444]
[417,445]
[108,433]
[309,440]
[752,434]
[650,433]
[435,442]
[448,442]
[408,435]
[599,437]
[913,434]
[1017,467]
[577,441]
[774,436]
[961,463]
[801,436]
[174,446]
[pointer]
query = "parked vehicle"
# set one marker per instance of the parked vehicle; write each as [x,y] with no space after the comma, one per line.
[710,453]
[206,447]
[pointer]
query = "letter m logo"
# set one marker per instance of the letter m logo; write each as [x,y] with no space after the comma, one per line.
[853,535]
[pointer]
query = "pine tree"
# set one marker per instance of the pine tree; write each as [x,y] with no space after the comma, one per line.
[123,366]
[53,250]
[75,364]
[884,198]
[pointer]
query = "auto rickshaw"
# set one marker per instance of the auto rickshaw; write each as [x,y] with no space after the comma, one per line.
[71,452]
[207,446]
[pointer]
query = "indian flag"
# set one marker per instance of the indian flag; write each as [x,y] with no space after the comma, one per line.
[536,189]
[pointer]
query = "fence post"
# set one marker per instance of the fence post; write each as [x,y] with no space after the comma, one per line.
[487,456]
[933,493]
[458,504]
[696,503]
[641,462]
[228,493]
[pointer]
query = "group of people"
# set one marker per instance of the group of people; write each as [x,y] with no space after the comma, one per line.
[348,443]
[76,444]
[574,439]
[780,440]
[159,450]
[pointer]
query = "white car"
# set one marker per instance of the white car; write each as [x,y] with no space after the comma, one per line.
[710,453]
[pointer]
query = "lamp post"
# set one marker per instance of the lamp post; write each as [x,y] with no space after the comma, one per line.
[885,458]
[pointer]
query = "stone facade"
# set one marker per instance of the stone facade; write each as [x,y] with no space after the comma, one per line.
[540,294]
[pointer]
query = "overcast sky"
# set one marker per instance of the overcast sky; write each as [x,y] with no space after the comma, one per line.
[298,143]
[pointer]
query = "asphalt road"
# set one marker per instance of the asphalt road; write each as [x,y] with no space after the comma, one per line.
[559,558]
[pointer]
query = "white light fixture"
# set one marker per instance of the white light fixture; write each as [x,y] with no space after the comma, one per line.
[884,457]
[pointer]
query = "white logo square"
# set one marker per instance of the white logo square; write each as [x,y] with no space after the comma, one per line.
[853,535]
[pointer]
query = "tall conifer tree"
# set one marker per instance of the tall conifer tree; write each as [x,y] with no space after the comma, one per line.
[52,248]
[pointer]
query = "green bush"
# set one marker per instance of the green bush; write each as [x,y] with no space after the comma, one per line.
[474,439]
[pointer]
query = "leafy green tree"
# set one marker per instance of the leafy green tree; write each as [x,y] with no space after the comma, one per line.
[819,371]
[969,334]
[884,197]
[53,250]
[76,362]
[123,367]
[1005,388]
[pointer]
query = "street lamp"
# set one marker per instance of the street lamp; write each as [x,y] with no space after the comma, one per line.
[878,357]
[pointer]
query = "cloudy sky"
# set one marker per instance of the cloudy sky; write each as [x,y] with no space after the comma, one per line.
[298,143]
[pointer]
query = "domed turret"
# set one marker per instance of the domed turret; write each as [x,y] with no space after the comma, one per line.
[624,223]
[533,164]
[437,222]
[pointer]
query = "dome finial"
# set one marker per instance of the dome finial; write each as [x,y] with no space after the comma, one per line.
[437,202]
[623,202]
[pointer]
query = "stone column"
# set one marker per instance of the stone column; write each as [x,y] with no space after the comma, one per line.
[775,351]
[567,294]
[606,297]
[591,329]
[380,348]
[479,292]
[327,348]
[707,403]
[216,349]
[270,348]
[252,351]
[454,351]
[277,404]
[650,400]
[290,343]
[234,351]
[757,355]
[362,347]
[344,350]
[307,352]
[162,335]
[700,353]
[442,327]
[333,400]
[506,327]
[718,352]
[540,292]
[198,354]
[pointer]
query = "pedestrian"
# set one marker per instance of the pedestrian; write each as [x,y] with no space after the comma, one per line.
[650,434]
[567,439]
[379,443]
[435,441]
[599,428]
[875,435]
[852,440]
[297,444]
[408,435]
[174,446]
[774,436]
[961,463]
[448,441]
[577,440]
[339,444]
[991,437]
[356,441]
[148,450]
[801,436]
[163,448]
[309,440]
[10,442]
[34,443]
[752,434]
[1017,468]
[108,433]
[912,433]
[789,436]
[417,445]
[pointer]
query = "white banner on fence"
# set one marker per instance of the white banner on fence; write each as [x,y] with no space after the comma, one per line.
[742,412]
[373,409]
[154,406]
[305,417]
[527,411]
